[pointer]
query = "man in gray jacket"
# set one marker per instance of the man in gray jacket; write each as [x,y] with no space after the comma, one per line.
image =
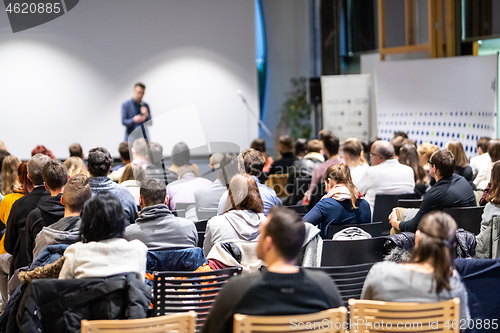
[156,226]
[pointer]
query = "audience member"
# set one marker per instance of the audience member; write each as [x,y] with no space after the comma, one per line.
[400,134]
[10,165]
[242,214]
[102,251]
[214,165]
[462,167]
[182,190]
[207,198]
[156,226]
[386,175]
[131,178]
[300,148]
[353,151]
[282,288]
[408,155]
[75,150]
[397,142]
[50,209]
[41,149]
[492,207]
[157,167]
[425,151]
[251,162]
[66,231]
[3,154]
[76,166]
[342,204]
[181,156]
[99,164]
[450,190]
[139,156]
[3,146]
[260,145]
[285,147]
[481,161]
[124,151]
[429,277]
[483,177]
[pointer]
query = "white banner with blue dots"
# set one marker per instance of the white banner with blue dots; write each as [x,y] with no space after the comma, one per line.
[438,100]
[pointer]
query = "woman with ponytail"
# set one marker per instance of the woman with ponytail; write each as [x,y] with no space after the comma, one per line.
[342,204]
[429,276]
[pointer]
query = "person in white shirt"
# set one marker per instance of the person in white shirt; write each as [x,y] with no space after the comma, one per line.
[353,149]
[386,175]
[477,163]
[483,177]
[139,152]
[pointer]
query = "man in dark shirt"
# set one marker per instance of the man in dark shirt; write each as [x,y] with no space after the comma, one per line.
[134,111]
[285,146]
[282,288]
[450,190]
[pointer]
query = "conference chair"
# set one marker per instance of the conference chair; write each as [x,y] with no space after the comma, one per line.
[182,322]
[299,209]
[376,316]
[277,182]
[409,203]
[201,225]
[300,187]
[375,229]
[319,192]
[332,320]
[352,252]
[201,238]
[468,218]
[175,292]
[384,203]
[349,279]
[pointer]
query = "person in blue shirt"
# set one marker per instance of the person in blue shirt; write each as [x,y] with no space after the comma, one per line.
[343,203]
[134,111]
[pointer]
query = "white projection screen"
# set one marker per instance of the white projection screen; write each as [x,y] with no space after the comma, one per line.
[438,100]
[64,81]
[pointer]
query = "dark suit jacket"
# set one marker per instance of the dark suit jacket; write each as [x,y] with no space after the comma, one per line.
[16,226]
[129,110]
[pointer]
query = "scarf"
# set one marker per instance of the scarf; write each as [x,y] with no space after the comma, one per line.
[340,192]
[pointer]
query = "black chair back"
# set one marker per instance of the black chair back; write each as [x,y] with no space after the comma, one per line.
[349,279]
[201,225]
[384,203]
[468,218]
[299,209]
[318,193]
[410,203]
[201,238]
[175,292]
[352,252]
[375,229]
[301,186]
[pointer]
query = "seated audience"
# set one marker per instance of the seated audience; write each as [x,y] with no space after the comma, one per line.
[99,164]
[492,207]
[102,251]
[242,214]
[214,165]
[353,151]
[386,175]
[450,190]
[408,155]
[462,167]
[300,148]
[425,151]
[181,156]
[124,151]
[75,150]
[483,177]
[131,178]
[260,145]
[285,147]
[397,142]
[182,190]
[251,162]
[280,289]
[429,277]
[207,198]
[3,154]
[9,168]
[139,152]
[342,204]
[66,231]
[50,209]
[156,226]
[41,149]
[481,161]
[76,166]
[157,167]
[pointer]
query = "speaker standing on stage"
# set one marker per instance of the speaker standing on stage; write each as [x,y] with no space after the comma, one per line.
[134,111]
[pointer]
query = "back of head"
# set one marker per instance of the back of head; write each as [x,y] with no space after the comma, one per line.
[22,174]
[3,154]
[156,152]
[102,218]
[341,174]
[3,146]
[331,143]
[285,143]
[383,149]
[180,154]
[324,133]
[494,150]
[483,143]
[184,170]
[76,193]
[55,174]
[99,162]
[494,194]
[140,148]
[216,158]
[259,144]
[10,166]
[353,148]
[287,231]
[427,149]
[132,171]
[35,165]
[444,161]
[300,147]
[458,152]
[397,143]
[400,134]
[76,150]
[228,168]
[76,166]
[252,161]
[314,146]
[124,151]
[408,155]
[437,244]
[41,149]
[244,194]
[153,191]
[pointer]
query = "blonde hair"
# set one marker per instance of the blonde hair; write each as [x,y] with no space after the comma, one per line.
[9,174]
[76,166]
[341,174]
[132,171]
[427,149]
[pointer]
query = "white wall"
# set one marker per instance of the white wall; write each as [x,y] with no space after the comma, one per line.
[64,81]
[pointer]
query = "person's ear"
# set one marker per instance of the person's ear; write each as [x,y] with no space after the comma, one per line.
[141,200]
[167,199]
[268,243]
[417,237]
[46,187]
[29,178]
[62,199]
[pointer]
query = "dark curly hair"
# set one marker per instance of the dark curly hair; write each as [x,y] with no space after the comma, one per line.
[99,162]
[102,218]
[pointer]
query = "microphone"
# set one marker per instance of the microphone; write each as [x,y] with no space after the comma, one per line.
[260,122]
